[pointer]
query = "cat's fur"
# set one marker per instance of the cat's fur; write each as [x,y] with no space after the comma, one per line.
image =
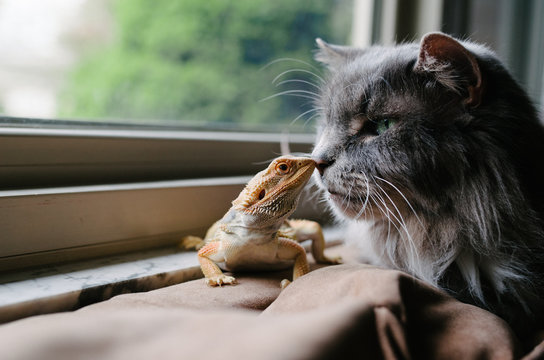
[453,191]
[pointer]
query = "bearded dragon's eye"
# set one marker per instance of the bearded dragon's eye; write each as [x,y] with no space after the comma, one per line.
[282,168]
[262,194]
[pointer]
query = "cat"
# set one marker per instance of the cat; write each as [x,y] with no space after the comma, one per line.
[436,148]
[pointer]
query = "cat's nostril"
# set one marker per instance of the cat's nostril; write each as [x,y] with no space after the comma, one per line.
[321,165]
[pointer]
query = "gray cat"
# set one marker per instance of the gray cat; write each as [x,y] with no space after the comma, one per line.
[439,150]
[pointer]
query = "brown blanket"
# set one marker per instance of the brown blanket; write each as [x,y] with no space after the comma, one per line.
[336,312]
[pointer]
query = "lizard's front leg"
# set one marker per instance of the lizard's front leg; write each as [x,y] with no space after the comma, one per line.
[289,249]
[206,257]
[311,230]
[191,242]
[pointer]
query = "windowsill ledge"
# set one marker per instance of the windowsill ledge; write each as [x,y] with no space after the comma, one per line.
[72,286]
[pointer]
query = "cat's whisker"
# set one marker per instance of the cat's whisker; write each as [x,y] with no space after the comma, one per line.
[382,201]
[350,190]
[386,215]
[299,81]
[381,198]
[321,80]
[411,243]
[318,112]
[404,197]
[401,227]
[344,202]
[348,197]
[300,91]
[304,113]
[311,118]
[390,247]
[363,208]
[361,212]
[400,218]
[371,207]
[291,60]
[295,93]
[367,211]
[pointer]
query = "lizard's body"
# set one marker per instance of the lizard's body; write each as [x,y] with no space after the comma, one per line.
[255,233]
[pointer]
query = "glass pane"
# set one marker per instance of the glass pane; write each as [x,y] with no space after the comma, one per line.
[165,62]
[512,28]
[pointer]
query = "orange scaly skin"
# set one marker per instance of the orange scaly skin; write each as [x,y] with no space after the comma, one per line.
[255,233]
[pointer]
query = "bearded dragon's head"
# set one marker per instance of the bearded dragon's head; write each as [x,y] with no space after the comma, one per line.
[273,193]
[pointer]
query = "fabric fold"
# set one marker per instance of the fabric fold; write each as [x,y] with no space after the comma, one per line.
[335,312]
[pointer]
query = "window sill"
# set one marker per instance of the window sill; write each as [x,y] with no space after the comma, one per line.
[69,287]
[49,226]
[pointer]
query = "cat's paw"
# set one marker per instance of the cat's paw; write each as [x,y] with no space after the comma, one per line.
[220,280]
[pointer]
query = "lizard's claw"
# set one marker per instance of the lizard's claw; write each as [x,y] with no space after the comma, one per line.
[284,283]
[334,260]
[220,280]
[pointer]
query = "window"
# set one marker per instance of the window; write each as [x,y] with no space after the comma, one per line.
[190,63]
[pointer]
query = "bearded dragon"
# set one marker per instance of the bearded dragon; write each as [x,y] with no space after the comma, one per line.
[255,233]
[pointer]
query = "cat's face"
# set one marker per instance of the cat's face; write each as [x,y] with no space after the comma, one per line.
[392,127]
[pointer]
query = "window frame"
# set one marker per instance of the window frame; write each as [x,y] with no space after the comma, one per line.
[53,154]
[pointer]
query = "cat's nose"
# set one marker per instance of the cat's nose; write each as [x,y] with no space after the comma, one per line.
[322,164]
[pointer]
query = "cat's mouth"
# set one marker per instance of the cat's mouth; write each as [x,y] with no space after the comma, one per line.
[351,205]
[346,204]
[340,198]
[336,195]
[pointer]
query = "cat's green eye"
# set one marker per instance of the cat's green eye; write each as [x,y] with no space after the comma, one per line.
[383,124]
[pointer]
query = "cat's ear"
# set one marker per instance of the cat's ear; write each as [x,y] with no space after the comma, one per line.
[452,64]
[334,56]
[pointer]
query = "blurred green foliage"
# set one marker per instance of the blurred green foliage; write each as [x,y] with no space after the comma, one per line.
[203,60]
